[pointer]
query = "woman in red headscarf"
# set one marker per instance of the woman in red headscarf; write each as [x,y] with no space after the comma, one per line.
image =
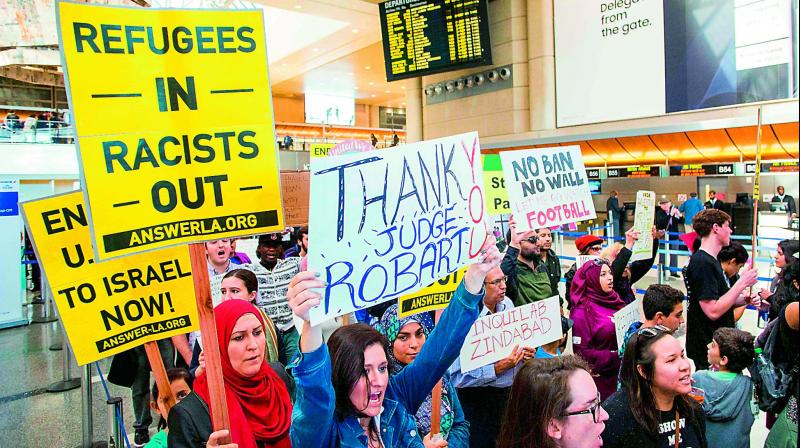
[594,336]
[259,406]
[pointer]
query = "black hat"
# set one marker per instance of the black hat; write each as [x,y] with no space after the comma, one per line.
[270,239]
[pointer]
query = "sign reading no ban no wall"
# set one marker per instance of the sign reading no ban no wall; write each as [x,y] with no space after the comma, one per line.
[174,122]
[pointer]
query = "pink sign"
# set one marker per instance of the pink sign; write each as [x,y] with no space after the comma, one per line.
[350,147]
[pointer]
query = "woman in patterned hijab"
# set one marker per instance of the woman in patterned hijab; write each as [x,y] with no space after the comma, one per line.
[406,337]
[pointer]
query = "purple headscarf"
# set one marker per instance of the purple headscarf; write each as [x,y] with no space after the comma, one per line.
[586,287]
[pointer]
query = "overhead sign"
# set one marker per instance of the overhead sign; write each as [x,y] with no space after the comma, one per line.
[493,337]
[593,173]
[435,296]
[295,190]
[494,185]
[643,222]
[175,147]
[421,37]
[387,223]
[547,187]
[724,169]
[634,171]
[779,167]
[623,319]
[108,307]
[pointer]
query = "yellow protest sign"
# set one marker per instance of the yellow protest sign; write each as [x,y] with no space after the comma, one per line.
[320,149]
[108,307]
[433,297]
[494,185]
[174,120]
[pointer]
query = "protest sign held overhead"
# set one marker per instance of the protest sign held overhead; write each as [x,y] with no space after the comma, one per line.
[108,307]
[495,185]
[435,296]
[295,190]
[643,222]
[493,337]
[547,186]
[387,223]
[623,319]
[169,136]
[320,149]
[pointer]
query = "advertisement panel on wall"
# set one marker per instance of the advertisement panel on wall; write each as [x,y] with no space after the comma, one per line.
[649,57]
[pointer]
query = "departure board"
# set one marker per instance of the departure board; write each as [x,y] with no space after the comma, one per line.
[634,171]
[421,37]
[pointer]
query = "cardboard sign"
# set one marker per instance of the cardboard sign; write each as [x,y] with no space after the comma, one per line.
[625,317]
[643,222]
[387,223]
[169,136]
[493,337]
[435,296]
[320,149]
[294,190]
[547,186]
[495,185]
[108,307]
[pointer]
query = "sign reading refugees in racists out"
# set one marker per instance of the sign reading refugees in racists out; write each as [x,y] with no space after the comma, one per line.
[495,185]
[387,223]
[623,319]
[111,306]
[493,337]
[433,297]
[547,186]
[174,145]
[643,222]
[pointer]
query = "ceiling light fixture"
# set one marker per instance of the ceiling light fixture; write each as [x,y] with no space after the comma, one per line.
[367,67]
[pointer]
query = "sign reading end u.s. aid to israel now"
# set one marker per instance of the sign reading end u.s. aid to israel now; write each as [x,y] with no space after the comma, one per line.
[174,122]
[108,307]
[383,224]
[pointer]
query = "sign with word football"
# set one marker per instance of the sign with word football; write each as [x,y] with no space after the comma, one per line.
[387,223]
[547,187]
[433,297]
[493,337]
[175,147]
[112,306]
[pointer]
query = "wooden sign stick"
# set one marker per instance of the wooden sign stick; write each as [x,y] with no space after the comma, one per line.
[208,330]
[436,395]
[756,190]
[160,373]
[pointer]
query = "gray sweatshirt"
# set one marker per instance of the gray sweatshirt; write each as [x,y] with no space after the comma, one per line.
[729,416]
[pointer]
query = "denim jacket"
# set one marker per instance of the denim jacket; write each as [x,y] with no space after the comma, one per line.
[314,423]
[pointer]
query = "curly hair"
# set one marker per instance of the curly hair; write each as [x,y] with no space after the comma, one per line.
[737,346]
[704,221]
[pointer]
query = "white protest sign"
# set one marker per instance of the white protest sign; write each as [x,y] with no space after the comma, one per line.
[493,337]
[625,317]
[643,222]
[387,223]
[547,186]
[581,260]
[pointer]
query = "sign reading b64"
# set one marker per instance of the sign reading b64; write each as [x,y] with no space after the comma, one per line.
[173,115]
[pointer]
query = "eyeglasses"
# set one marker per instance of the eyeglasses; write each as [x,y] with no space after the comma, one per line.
[531,239]
[497,282]
[595,249]
[592,410]
[650,332]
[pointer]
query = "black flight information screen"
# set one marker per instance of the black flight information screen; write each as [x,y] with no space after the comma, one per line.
[421,37]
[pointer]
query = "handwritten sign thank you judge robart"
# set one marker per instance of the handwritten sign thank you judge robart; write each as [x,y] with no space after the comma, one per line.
[388,223]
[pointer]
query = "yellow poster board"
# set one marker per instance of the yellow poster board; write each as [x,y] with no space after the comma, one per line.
[435,296]
[108,307]
[320,149]
[174,122]
[494,185]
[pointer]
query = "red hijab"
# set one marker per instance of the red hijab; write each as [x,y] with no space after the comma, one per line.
[259,407]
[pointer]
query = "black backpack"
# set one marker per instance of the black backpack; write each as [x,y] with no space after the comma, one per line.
[772,381]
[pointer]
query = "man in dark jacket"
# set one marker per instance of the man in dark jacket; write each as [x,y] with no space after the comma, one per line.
[615,213]
[667,219]
[791,207]
[713,202]
[549,257]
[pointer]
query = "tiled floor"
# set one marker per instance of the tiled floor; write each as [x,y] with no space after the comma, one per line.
[32,417]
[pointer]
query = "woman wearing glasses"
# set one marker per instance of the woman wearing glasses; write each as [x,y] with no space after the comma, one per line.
[586,245]
[554,404]
[653,408]
[594,336]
